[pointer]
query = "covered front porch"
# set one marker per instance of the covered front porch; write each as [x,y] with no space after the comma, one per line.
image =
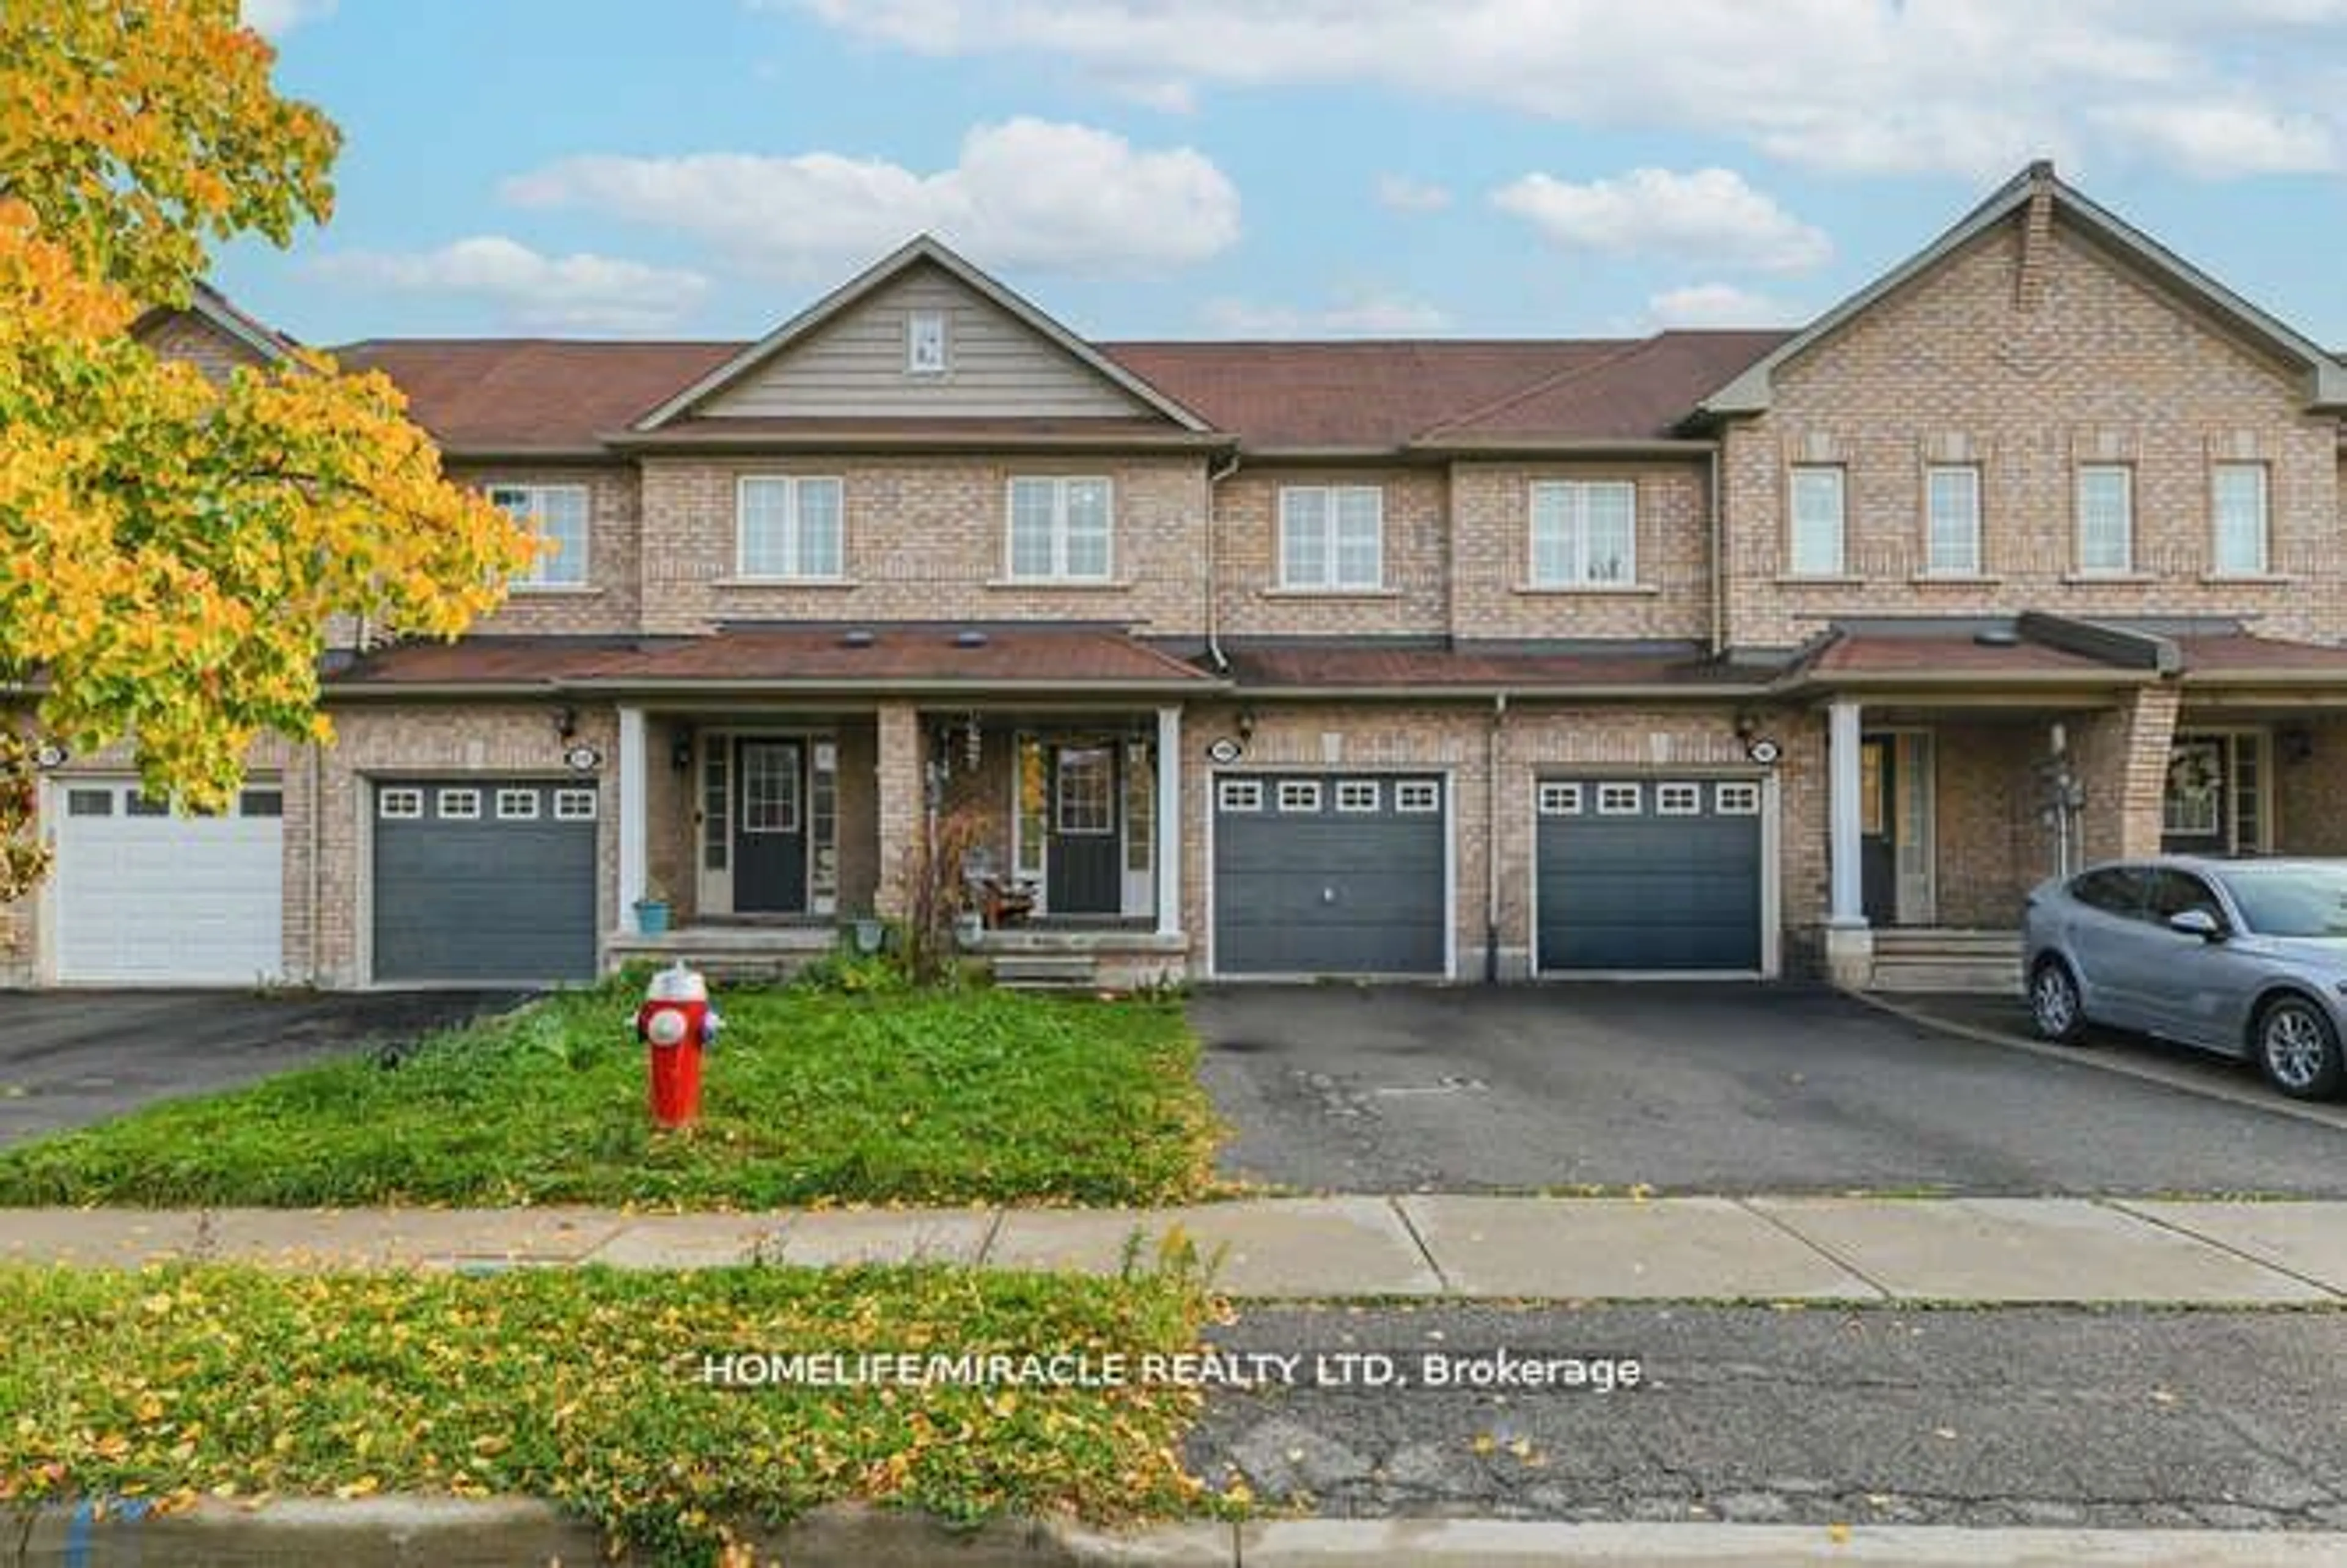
[772,832]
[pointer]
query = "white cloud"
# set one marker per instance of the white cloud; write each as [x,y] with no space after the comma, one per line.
[1710,215]
[2212,139]
[1369,312]
[276,18]
[548,294]
[1023,193]
[1974,88]
[1718,306]
[1403,194]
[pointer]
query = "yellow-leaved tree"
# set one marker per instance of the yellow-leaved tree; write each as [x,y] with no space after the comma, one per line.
[172,548]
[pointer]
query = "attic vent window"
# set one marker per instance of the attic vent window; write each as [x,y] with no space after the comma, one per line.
[969,639]
[925,342]
[858,637]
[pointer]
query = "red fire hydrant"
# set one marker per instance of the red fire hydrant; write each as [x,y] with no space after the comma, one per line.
[676,1022]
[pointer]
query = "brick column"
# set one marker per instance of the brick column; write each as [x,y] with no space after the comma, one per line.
[897,790]
[2122,761]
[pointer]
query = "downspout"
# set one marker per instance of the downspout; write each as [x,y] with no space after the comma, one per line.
[1214,477]
[1718,559]
[1491,839]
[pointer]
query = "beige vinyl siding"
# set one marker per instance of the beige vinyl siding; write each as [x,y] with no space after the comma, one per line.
[996,366]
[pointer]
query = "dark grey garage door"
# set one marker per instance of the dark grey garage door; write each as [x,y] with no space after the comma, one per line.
[1649,874]
[484,879]
[1334,874]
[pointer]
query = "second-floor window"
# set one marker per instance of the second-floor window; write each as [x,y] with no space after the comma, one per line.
[1060,529]
[790,526]
[1952,544]
[2105,518]
[1331,536]
[2237,498]
[1585,533]
[1816,532]
[557,513]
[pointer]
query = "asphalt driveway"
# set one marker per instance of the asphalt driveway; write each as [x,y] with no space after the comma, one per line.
[71,1057]
[1704,1089]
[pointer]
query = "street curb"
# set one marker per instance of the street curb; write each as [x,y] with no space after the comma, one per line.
[499,1532]
[2334,1116]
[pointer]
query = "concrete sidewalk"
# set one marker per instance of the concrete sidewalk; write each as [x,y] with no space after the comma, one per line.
[1977,1250]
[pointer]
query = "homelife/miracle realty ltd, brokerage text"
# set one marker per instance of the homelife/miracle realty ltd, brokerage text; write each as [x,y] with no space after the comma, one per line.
[1498,1368]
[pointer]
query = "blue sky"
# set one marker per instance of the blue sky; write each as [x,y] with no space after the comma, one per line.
[1274,167]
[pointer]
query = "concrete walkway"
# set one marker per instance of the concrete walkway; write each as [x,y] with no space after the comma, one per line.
[1978,1250]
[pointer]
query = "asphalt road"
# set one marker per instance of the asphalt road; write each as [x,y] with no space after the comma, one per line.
[70,1058]
[2134,1419]
[1706,1089]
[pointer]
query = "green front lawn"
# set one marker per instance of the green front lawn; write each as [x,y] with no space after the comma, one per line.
[586,1389]
[813,1095]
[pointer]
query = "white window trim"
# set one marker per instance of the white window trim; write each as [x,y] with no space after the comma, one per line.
[794,535]
[574,805]
[1839,564]
[1688,797]
[1059,484]
[1299,797]
[1975,554]
[1358,796]
[457,804]
[1577,493]
[1610,797]
[2126,567]
[915,365]
[1738,798]
[1418,797]
[1560,799]
[1238,796]
[399,803]
[2264,562]
[1332,579]
[519,804]
[533,579]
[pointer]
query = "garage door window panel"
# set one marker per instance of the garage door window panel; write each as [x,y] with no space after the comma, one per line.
[399,805]
[1239,795]
[1299,797]
[1620,799]
[89,803]
[1355,796]
[459,804]
[1678,800]
[1737,799]
[1418,796]
[574,805]
[1560,800]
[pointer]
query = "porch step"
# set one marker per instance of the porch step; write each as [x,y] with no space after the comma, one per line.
[1038,971]
[1977,962]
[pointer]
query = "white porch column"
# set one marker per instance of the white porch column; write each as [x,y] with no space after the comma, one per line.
[1169,821]
[634,837]
[1849,945]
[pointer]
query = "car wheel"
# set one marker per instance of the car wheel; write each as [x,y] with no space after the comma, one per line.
[2053,1004]
[2297,1049]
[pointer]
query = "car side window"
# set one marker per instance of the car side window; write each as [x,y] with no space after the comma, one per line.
[2174,892]
[2113,890]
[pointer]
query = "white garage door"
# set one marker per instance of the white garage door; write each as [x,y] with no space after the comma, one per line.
[146,897]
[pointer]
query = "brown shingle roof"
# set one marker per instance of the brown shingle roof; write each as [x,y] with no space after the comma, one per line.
[1954,652]
[1319,665]
[1362,394]
[528,395]
[481,661]
[531,394]
[2238,653]
[1642,393]
[1043,656]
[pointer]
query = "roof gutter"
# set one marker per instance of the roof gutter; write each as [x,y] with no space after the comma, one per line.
[1513,690]
[1569,446]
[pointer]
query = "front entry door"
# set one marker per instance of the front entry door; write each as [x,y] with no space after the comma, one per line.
[769,843]
[1087,864]
[1878,843]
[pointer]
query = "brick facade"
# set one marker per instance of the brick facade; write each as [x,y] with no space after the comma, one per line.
[2109,367]
[2033,349]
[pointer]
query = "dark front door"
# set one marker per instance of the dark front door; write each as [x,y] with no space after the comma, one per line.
[1087,865]
[1877,844]
[769,843]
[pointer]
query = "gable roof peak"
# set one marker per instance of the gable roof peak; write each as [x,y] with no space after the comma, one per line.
[922,248]
[2036,188]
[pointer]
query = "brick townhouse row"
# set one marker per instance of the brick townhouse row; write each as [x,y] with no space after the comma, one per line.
[1707,653]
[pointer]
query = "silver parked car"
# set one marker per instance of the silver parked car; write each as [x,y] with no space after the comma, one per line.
[2244,957]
